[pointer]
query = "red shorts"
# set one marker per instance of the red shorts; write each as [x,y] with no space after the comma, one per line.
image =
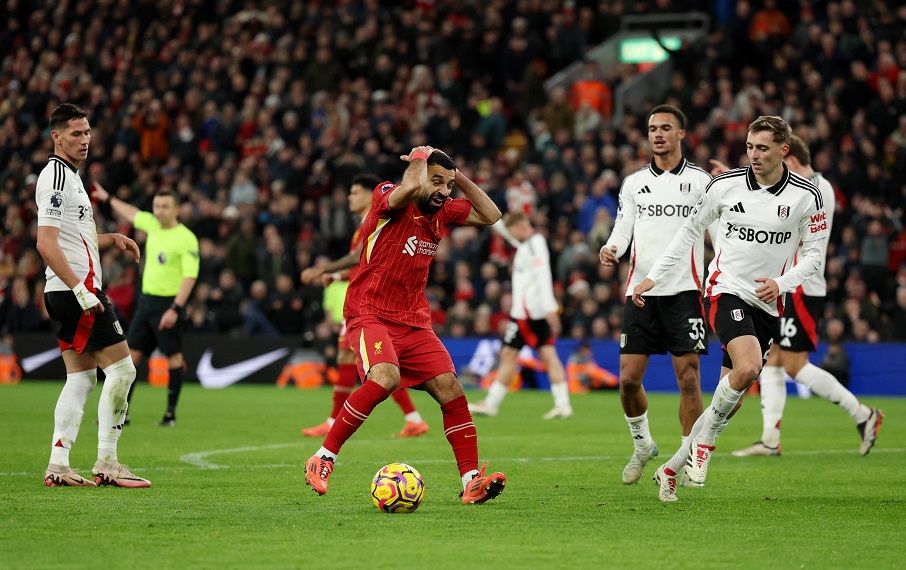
[418,353]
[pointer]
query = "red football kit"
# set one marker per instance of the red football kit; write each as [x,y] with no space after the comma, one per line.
[389,321]
[387,313]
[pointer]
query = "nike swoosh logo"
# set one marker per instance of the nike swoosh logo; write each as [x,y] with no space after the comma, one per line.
[211,377]
[348,422]
[36,361]
[417,217]
[469,435]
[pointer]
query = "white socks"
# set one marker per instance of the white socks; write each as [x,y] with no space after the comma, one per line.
[67,416]
[825,385]
[678,461]
[638,429]
[560,392]
[323,452]
[495,395]
[773,400]
[725,399]
[468,476]
[413,417]
[112,407]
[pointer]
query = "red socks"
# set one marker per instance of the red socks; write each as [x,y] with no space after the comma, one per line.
[354,413]
[461,434]
[348,375]
[404,400]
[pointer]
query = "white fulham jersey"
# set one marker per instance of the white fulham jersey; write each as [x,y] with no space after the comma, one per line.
[653,206]
[816,285]
[761,229]
[533,285]
[63,203]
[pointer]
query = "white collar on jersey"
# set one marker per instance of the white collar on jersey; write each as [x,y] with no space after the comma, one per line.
[776,189]
[675,170]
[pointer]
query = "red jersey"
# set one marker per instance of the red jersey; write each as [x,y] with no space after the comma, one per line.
[399,246]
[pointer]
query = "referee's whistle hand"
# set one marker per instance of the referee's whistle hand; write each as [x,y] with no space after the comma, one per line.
[640,289]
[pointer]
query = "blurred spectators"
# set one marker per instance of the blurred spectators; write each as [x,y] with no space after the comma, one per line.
[259,118]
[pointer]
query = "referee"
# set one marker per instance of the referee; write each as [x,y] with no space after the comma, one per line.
[171,268]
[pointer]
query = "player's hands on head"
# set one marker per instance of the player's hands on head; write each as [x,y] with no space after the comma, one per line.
[417,153]
[767,291]
[718,167]
[98,193]
[640,289]
[608,255]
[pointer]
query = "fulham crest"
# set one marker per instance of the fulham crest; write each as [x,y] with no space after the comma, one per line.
[736,314]
[783,212]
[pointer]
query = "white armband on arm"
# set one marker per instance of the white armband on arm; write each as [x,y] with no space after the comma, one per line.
[86,298]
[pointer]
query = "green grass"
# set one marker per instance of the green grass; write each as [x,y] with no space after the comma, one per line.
[229,490]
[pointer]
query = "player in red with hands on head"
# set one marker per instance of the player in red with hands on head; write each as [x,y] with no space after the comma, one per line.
[388,318]
[359,203]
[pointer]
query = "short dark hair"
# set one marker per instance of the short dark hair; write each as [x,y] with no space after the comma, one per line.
[167,194]
[800,150]
[780,129]
[441,159]
[65,112]
[366,180]
[680,116]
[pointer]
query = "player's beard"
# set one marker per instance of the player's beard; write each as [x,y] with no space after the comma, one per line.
[429,206]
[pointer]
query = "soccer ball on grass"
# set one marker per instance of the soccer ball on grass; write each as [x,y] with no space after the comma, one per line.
[397,488]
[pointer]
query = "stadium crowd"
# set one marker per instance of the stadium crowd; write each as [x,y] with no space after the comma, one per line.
[259,119]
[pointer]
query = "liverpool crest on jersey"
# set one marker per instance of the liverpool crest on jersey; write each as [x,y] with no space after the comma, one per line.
[783,212]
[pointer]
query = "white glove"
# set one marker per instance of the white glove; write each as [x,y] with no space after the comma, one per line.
[86,298]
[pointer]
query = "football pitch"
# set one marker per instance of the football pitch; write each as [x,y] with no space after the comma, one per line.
[229,490]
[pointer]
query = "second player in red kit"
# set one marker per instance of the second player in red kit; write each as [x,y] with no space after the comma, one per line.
[388,319]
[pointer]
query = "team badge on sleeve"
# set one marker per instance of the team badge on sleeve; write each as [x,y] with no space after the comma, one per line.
[736,314]
[386,188]
[783,212]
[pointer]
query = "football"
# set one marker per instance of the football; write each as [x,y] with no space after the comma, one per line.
[397,488]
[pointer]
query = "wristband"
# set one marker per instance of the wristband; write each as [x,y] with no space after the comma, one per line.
[176,308]
[86,298]
[420,155]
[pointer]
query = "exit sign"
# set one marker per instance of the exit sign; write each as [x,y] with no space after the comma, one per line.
[646,50]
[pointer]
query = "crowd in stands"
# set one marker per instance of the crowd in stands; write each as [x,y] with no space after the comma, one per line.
[259,118]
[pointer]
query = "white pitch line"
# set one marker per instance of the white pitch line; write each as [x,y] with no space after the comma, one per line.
[198,460]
